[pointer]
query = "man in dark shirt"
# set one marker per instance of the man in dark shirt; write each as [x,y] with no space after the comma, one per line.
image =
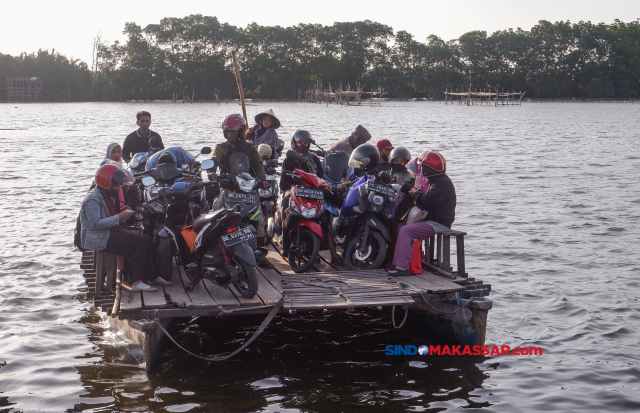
[138,141]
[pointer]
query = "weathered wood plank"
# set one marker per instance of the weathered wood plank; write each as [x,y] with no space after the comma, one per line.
[280,264]
[99,272]
[155,299]
[245,301]
[273,277]
[266,291]
[176,292]
[199,296]
[222,296]
[130,301]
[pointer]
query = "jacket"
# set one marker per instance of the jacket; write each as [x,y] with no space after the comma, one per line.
[135,143]
[96,222]
[404,176]
[286,182]
[348,144]
[257,167]
[439,200]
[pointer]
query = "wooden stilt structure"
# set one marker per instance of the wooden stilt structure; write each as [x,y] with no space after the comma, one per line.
[471,97]
[339,96]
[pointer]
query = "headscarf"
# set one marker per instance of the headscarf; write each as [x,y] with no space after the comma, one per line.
[308,159]
[422,183]
[113,208]
[110,149]
[265,135]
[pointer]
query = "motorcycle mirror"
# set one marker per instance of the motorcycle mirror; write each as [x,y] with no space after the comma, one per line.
[270,171]
[208,164]
[280,148]
[245,176]
[148,181]
[206,150]
[292,155]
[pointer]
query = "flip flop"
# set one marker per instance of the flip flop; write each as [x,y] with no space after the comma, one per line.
[398,271]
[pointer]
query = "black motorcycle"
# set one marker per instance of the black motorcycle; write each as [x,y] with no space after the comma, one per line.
[220,251]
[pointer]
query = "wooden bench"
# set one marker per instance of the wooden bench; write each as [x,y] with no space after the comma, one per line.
[438,257]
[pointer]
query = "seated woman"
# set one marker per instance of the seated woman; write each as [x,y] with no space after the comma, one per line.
[101,215]
[265,131]
[399,158]
[439,202]
[114,153]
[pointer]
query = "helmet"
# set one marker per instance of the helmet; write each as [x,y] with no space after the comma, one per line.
[400,152]
[432,163]
[365,156]
[107,175]
[265,151]
[299,135]
[234,122]
[155,144]
[129,180]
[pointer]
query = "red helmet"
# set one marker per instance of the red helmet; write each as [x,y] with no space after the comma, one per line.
[107,175]
[432,163]
[235,122]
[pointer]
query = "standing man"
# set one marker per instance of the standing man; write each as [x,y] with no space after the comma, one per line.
[138,140]
[384,147]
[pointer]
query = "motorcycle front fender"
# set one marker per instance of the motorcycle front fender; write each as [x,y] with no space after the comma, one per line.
[245,253]
[313,226]
[375,223]
[269,206]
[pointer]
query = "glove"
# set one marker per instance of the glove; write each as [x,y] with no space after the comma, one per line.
[406,187]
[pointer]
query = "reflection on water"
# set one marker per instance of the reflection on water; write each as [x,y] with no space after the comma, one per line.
[548,193]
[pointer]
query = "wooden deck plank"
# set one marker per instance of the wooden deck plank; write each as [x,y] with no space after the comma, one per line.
[273,277]
[199,296]
[156,299]
[281,265]
[429,284]
[176,292]
[254,301]
[266,291]
[130,301]
[326,256]
[222,296]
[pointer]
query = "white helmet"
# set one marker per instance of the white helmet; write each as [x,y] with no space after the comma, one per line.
[265,151]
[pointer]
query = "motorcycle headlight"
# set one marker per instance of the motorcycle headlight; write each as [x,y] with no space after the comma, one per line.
[308,212]
[294,207]
[376,202]
[245,186]
[264,192]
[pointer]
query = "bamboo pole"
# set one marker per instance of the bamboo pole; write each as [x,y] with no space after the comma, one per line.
[239,82]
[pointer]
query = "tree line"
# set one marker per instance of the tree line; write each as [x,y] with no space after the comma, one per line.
[561,59]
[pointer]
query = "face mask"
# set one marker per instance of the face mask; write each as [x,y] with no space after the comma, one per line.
[398,167]
[302,149]
[385,157]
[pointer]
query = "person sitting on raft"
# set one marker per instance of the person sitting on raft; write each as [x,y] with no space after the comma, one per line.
[359,136]
[310,163]
[399,158]
[114,153]
[265,131]
[180,157]
[100,215]
[440,203]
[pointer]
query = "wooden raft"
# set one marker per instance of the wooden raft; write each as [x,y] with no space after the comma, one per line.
[325,287]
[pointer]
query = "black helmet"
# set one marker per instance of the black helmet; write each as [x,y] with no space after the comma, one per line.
[365,156]
[400,152]
[299,135]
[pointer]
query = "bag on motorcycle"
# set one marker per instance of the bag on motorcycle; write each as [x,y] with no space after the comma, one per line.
[189,236]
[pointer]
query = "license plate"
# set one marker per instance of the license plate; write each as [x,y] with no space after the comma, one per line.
[312,193]
[381,189]
[236,197]
[236,237]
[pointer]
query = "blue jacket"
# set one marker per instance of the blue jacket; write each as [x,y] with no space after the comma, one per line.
[181,156]
[96,222]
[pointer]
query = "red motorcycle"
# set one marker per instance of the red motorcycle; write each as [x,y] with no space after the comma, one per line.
[302,218]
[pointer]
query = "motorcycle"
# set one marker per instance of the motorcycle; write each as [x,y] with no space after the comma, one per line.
[307,205]
[220,251]
[363,220]
[158,209]
[269,197]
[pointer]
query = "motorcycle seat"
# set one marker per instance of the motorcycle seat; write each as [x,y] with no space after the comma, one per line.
[204,219]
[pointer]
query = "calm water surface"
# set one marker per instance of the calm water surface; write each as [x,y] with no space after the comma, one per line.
[549,195]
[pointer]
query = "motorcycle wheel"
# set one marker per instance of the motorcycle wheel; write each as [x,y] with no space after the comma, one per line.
[375,253]
[309,249]
[249,285]
[164,257]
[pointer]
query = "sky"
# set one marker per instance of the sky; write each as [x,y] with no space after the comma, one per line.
[69,26]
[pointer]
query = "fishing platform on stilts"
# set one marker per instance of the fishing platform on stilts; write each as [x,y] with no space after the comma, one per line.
[447,299]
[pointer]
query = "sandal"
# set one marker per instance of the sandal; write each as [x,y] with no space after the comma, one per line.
[398,271]
[338,261]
